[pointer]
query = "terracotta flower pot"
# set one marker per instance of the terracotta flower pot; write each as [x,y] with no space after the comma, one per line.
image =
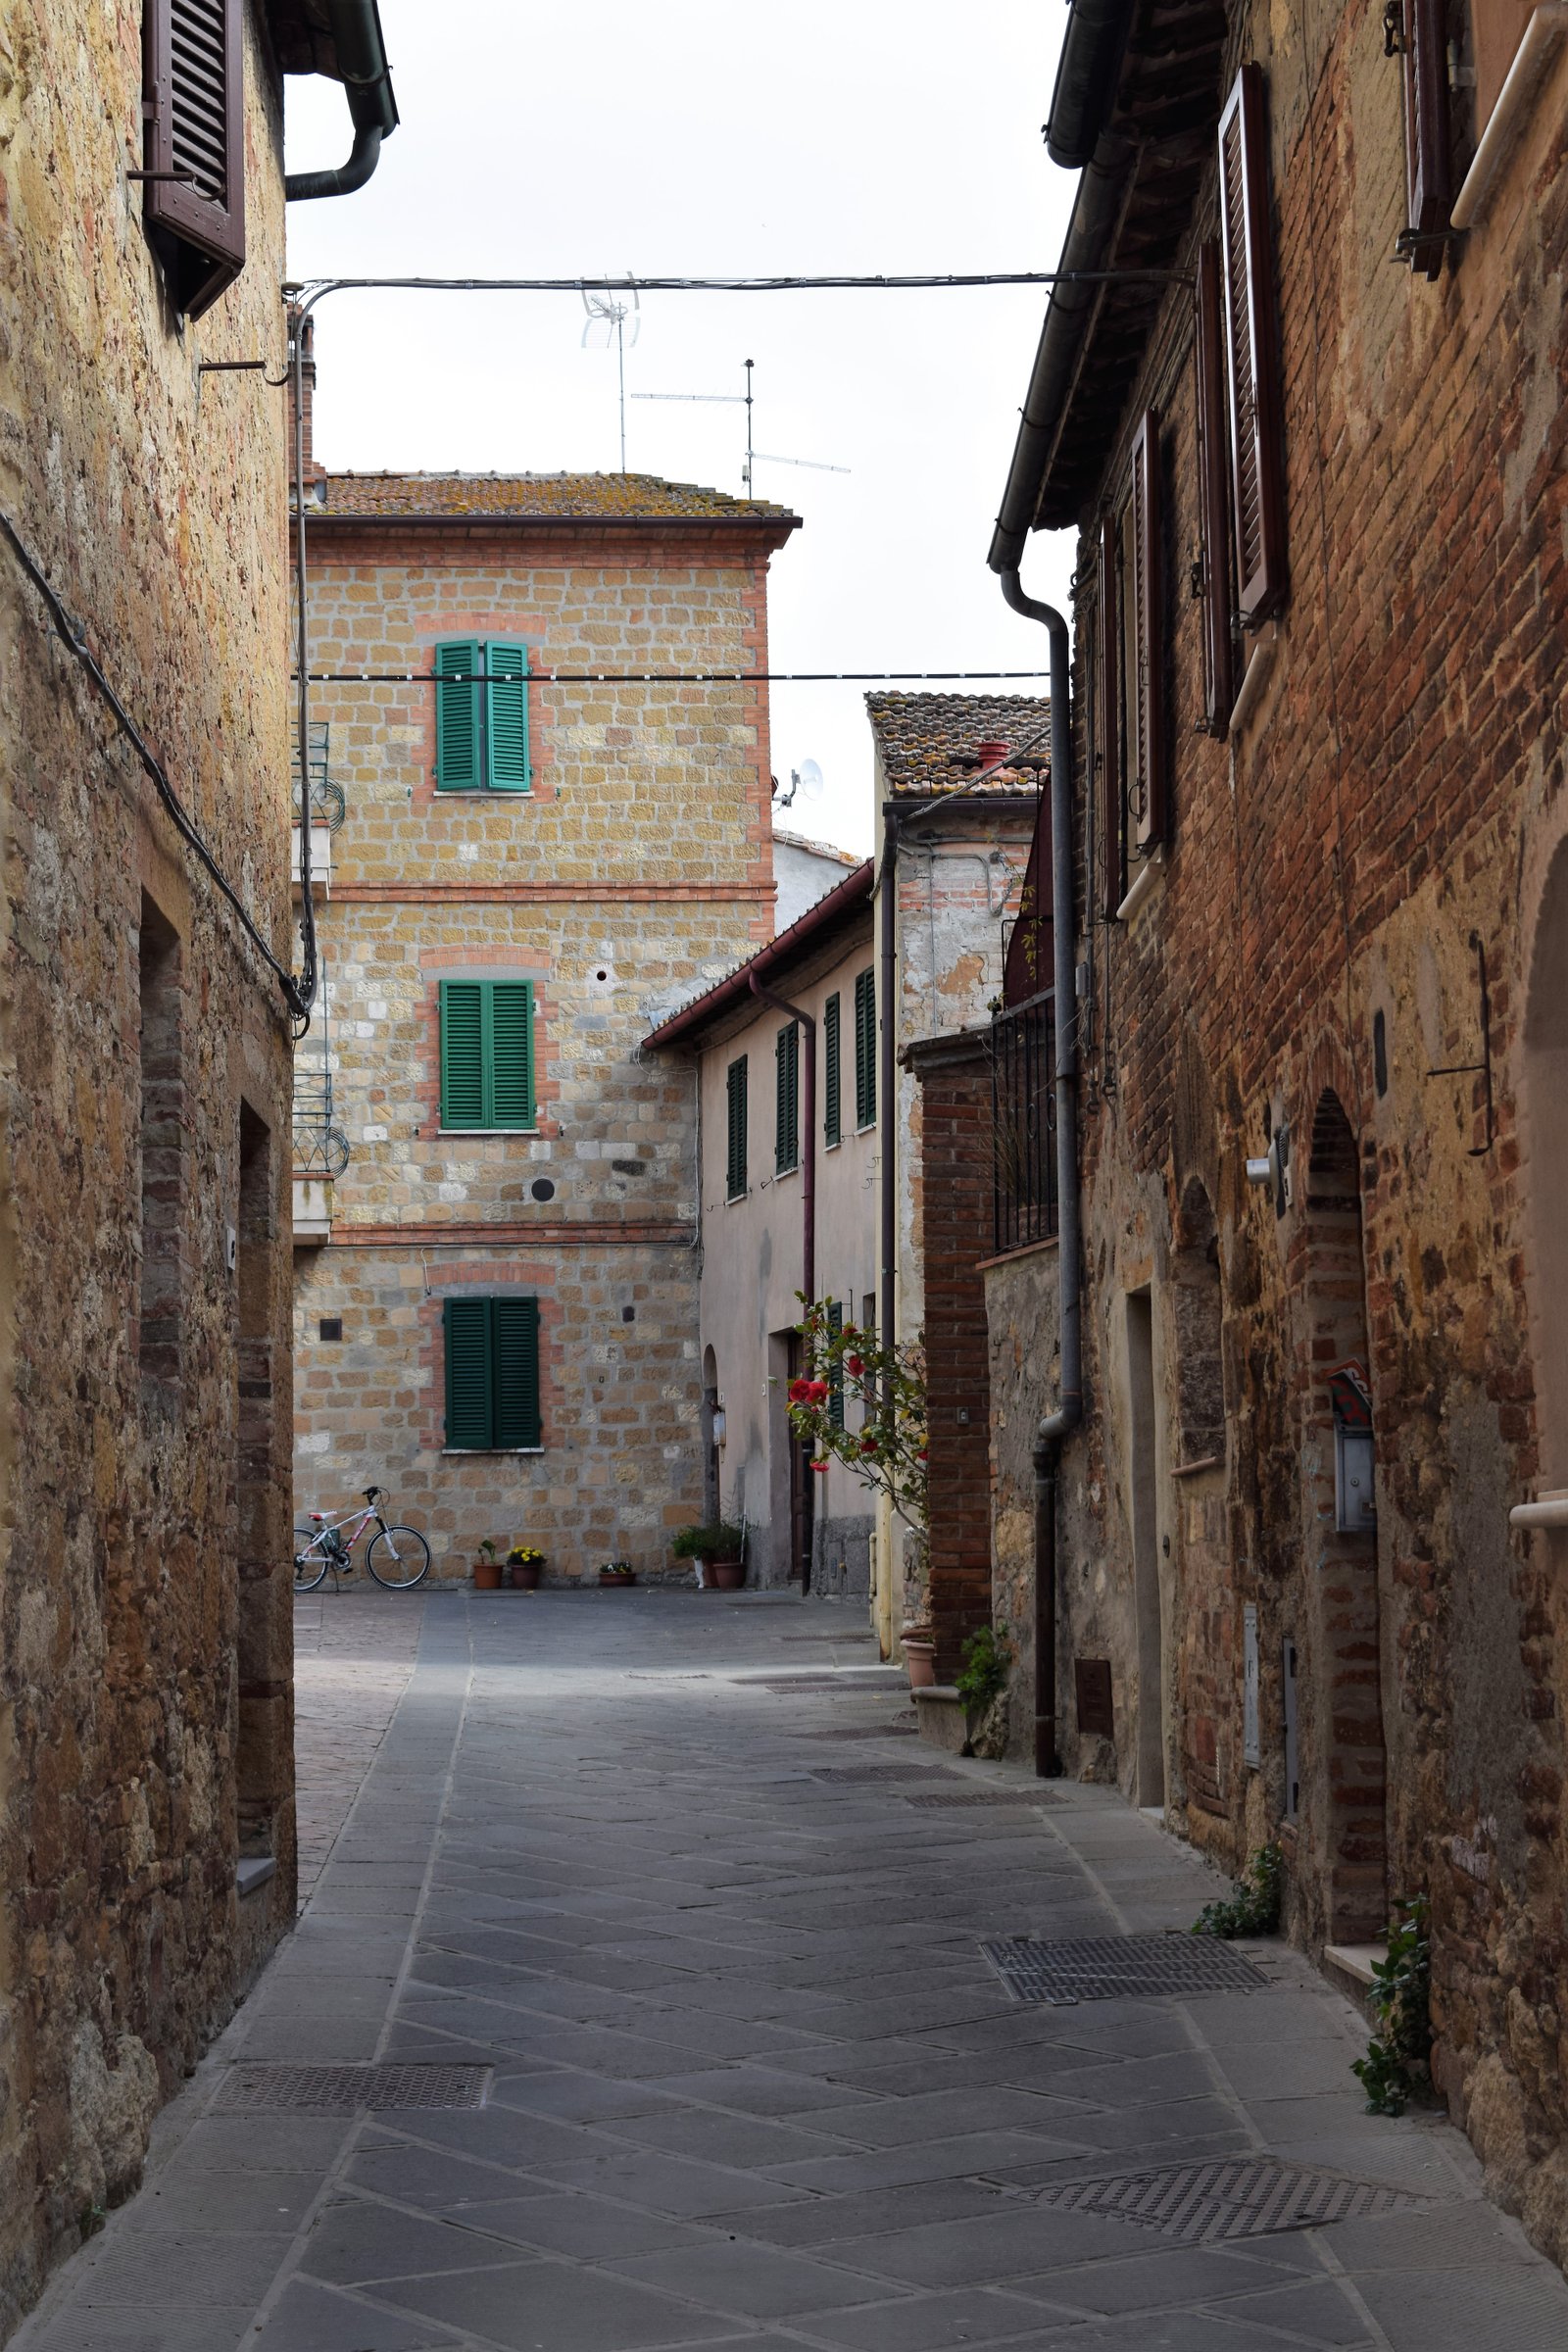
[726,1576]
[604,1578]
[921,1659]
[487,1576]
[525,1575]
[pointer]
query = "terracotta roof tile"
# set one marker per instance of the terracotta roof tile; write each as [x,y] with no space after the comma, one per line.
[930,742]
[538,496]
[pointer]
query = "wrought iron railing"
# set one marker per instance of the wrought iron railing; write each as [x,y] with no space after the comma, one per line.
[327,805]
[1023,1123]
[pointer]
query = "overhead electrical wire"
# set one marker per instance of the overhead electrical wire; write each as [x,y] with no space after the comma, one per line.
[75,644]
[662,677]
[310,290]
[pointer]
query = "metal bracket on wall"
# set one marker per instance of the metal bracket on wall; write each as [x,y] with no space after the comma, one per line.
[1482,1067]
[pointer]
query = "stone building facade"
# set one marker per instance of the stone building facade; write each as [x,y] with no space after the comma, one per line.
[1313,1535]
[604,846]
[813,1529]
[146,1770]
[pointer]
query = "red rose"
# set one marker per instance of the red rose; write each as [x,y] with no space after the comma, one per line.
[855,1365]
[820,1468]
[869,1444]
[817,1390]
[921,1455]
[800,1391]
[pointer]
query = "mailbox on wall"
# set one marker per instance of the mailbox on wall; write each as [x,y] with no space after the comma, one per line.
[1355,1512]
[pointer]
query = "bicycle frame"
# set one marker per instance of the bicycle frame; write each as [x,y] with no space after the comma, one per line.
[365,1513]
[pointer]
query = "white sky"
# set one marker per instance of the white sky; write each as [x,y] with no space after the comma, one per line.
[701,138]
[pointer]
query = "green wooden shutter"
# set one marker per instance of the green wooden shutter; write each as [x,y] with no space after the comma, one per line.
[735,1104]
[832,1131]
[866,1049]
[835,1385]
[515,1324]
[457,715]
[463,1054]
[507,717]
[510,1056]
[470,1393]
[787,1118]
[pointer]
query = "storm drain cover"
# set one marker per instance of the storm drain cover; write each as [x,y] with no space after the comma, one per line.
[874,1771]
[983,1797]
[350,2089]
[1110,1967]
[1228,2196]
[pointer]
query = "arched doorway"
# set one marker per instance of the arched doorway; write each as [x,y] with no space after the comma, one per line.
[1347,1788]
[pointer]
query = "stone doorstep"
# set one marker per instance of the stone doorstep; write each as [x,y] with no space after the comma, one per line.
[1349,1968]
[942,1720]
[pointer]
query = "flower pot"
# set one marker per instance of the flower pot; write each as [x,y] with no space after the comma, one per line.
[921,1659]
[728,1576]
[525,1576]
[487,1576]
[604,1578]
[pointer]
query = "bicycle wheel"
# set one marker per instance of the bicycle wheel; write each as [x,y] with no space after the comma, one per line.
[398,1558]
[310,1564]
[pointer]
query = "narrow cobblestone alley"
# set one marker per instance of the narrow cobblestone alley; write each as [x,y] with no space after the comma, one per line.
[699,1927]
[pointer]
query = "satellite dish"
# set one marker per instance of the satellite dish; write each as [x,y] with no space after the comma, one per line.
[809,778]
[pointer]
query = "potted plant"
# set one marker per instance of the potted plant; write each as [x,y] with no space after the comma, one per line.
[487,1569]
[616,1572]
[526,1562]
[919,1646]
[716,1549]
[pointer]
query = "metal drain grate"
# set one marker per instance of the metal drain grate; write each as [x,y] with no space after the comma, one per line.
[874,1771]
[1228,2196]
[1002,1798]
[351,2089]
[1110,1967]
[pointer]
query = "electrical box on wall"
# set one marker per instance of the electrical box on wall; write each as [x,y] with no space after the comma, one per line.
[1355,1512]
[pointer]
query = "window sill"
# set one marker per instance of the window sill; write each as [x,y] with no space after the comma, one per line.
[1145,883]
[734,1199]
[783,1175]
[870,1128]
[1259,666]
[1509,119]
[476,1452]
[484,791]
[251,1872]
[535,1132]
[1547,1510]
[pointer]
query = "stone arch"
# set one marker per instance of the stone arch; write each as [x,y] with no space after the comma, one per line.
[1545,1109]
[1343,1780]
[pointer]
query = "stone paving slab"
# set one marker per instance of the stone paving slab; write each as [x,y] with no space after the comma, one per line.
[752,2081]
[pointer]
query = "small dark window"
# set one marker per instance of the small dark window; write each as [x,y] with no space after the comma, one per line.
[628,1314]
[1380,1052]
[193,105]
[331,1327]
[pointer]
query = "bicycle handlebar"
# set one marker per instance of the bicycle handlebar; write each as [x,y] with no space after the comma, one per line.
[370,1494]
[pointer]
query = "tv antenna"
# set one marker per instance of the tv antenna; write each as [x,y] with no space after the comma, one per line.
[609,312]
[752,455]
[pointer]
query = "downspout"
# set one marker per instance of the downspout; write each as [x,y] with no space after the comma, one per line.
[808,1022]
[887,1076]
[362,68]
[1055,1427]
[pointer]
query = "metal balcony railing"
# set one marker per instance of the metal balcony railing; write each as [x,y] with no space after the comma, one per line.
[327,804]
[1023,1123]
[320,1147]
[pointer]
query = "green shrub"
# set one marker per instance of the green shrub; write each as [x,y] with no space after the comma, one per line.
[983,1676]
[721,1541]
[1396,2065]
[1252,1907]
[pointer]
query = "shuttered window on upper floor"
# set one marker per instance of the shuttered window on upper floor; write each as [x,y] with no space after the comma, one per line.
[866,1049]
[787,1100]
[487,1054]
[1214,584]
[193,109]
[1147,805]
[835,1378]
[735,1126]
[1422,34]
[482,716]
[832,1074]
[1107,718]
[492,1375]
[1257,465]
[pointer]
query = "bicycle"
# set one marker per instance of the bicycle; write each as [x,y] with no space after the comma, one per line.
[398,1558]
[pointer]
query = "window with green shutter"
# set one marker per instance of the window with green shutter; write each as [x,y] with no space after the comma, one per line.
[482,716]
[487,1054]
[787,1118]
[832,1132]
[492,1373]
[735,1106]
[834,1381]
[866,1049]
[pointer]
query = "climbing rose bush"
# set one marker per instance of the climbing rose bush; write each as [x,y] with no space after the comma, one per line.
[888,1450]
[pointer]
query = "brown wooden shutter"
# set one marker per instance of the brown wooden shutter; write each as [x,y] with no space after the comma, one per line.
[1108,716]
[1257,472]
[1220,687]
[1146,752]
[1429,180]
[194,104]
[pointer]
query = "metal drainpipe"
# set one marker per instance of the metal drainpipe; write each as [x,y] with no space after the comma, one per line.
[356,28]
[1053,1428]
[808,1022]
[887,1073]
